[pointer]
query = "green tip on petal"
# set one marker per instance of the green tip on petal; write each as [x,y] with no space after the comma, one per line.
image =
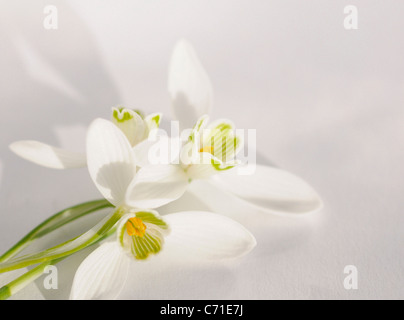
[220,166]
[122,114]
[198,127]
[153,121]
[156,119]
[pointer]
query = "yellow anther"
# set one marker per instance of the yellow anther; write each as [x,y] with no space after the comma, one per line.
[135,227]
[208,149]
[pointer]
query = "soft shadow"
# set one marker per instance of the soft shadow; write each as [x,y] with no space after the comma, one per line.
[108,179]
[274,234]
[163,277]
[49,78]
[184,111]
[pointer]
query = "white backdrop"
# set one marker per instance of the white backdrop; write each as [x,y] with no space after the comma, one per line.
[327,104]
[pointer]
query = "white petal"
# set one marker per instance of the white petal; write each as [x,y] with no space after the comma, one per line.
[201,171]
[159,149]
[102,275]
[202,167]
[271,189]
[156,185]
[141,152]
[207,235]
[48,156]
[110,159]
[189,85]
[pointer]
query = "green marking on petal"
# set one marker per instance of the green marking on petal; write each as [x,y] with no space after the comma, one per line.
[149,217]
[222,141]
[153,121]
[143,244]
[150,243]
[218,166]
[197,127]
[156,120]
[223,127]
[122,114]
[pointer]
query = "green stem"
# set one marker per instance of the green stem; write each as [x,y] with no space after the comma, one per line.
[56,221]
[66,248]
[21,282]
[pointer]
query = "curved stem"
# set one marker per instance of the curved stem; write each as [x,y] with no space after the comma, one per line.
[66,248]
[56,221]
[21,282]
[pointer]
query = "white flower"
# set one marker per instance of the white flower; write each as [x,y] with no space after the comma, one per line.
[209,149]
[142,232]
[268,189]
[133,125]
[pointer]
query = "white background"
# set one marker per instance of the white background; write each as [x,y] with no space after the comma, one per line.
[327,104]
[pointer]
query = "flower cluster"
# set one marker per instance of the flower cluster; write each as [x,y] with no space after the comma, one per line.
[122,162]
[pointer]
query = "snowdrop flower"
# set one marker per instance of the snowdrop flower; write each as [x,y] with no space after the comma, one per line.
[209,149]
[269,189]
[136,128]
[142,232]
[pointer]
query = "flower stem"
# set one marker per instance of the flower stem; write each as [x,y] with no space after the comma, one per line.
[54,222]
[66,248]
[21,282]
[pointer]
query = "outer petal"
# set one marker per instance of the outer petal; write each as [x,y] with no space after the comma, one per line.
[48,156]
[156,185]
[189,85]
[208,235]
[157,150]
[271,189]
[102,274]
[111,161]
[141,152]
